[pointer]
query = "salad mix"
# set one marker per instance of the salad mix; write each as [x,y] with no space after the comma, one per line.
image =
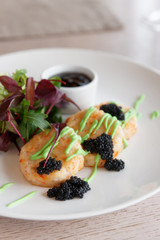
[28,106]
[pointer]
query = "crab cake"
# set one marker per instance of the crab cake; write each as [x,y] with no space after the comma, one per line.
[129,126]
[33,152]
[92,123]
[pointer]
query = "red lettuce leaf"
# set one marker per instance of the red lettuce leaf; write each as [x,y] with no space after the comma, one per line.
[5,141]
[30,91]
[51,95]
[6,103]
[10,84]
[48,93]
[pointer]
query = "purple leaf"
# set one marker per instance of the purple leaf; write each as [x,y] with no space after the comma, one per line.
[62,104]
[58,127]
[14,127]
[6,103]
[30,91]
[71,101]
[51,95]
[5,141]
[48,93]
[10,84]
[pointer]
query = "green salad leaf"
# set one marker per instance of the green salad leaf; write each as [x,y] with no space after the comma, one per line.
[3,92]
[56,84]
[20,77]
[30,119]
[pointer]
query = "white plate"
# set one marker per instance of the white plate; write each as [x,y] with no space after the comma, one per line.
[120,80]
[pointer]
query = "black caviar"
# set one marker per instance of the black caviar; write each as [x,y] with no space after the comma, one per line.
[102,145]
[114,110]
[51,165]
[114,165]
[74,187]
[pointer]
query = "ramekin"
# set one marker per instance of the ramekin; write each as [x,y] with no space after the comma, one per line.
[84,96]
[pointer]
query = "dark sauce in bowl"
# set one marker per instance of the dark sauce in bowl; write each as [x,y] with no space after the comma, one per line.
[74,79]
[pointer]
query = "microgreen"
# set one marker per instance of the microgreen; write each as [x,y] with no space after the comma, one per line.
[3,92]
[56,81]
[20,77]
[58,128]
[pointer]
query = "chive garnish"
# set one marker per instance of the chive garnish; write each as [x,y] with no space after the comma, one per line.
[25,197]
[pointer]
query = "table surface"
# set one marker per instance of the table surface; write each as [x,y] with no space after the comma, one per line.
[139,42]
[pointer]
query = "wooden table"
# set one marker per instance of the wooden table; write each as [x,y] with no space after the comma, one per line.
[137,41]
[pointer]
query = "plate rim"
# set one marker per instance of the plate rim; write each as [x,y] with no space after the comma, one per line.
[95,212]
[109,54]
[88,214]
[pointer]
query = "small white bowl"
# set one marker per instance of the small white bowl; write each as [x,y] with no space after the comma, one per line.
[83,96]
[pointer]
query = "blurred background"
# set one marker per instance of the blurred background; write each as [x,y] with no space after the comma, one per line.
[127,27]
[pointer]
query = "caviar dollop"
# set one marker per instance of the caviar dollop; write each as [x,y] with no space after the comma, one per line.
[51,165]
[102,145]
[114,165]
[74,187]
[114,110]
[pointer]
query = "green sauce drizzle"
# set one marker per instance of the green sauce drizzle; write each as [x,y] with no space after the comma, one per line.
[65,131]
[42,153]
[47,131]
[94,124]
[113,102]
[62,133]
[105,118]
[98,157]
[75,138]
[128,115]
[133,111]
[115,128]
[113,119]
[79,151]
[85,118]
[16,202]
[137,103]
[5,186]
[155,114]
[125,143]
[139,115]
[101,121]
